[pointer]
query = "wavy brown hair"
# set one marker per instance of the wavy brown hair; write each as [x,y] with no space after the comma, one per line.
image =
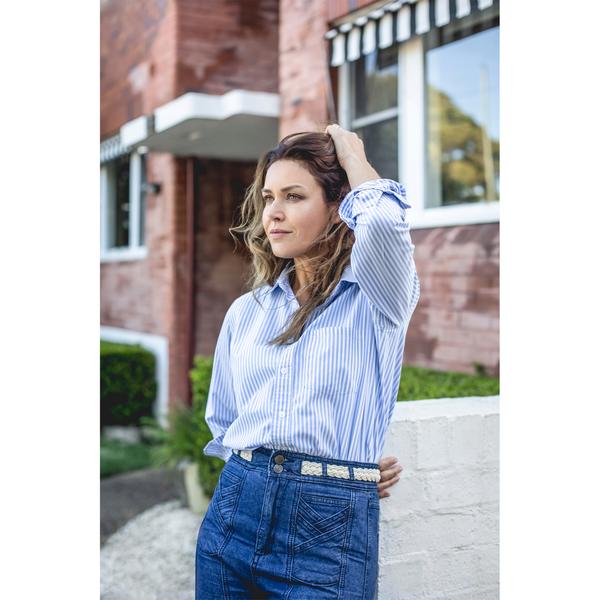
[316,152]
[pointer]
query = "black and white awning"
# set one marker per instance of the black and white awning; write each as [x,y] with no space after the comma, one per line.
[396,22]
[112,148]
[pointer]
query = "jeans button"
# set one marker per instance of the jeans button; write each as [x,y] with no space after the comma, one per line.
[279,459]
[277,468]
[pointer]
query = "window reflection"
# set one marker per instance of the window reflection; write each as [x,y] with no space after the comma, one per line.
[142,215]
[121,199]
[376,81]
[462,118]
[381,146]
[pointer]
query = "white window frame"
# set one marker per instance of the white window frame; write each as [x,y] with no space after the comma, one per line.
[135,250]
[412,152]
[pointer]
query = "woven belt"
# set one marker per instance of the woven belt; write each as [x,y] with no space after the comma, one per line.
[316,468]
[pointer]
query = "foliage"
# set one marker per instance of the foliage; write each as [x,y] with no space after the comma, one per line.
[417,383]
[127,383]
[187,432]
[120,457]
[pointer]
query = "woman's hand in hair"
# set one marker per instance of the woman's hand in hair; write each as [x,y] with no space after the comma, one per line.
[350,152]
[390,470]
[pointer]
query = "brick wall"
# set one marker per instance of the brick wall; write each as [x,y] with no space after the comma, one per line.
[227,45]
[303,67]
[221,270]
[137,60]
[339,8]
[152,51]
[456,321]
[146,295]
[135,294]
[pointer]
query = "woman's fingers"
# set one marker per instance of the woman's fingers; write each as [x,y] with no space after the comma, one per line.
[347,144]
[382,485]
[390,470]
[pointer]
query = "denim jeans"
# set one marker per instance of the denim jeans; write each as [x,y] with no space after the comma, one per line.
[271,531]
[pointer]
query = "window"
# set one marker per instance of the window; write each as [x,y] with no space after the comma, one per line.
[123,204]
[374,108]
[427,112]
[462,143]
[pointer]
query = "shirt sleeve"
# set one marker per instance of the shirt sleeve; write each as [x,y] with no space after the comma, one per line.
[382,256]
[221,409]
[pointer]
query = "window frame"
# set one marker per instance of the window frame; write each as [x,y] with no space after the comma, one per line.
[135,250]
[412,150]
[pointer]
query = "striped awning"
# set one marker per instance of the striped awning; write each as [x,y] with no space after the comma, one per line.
[396,22]
[112,148]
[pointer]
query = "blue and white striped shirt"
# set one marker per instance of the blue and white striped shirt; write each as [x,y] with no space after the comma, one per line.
[332,393]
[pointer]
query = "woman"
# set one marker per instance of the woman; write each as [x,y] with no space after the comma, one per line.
[305,377]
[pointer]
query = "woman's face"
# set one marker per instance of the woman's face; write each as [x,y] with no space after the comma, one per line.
[300,210]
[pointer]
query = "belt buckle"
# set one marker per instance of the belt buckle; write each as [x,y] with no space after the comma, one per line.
[245,454]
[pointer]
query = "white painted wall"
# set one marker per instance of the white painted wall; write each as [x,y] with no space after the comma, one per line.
[439,528]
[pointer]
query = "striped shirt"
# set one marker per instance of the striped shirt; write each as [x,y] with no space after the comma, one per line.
[332,393]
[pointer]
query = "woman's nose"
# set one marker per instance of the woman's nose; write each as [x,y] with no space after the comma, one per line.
[275,209]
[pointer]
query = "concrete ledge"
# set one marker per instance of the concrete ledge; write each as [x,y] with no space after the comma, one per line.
[446,407]
[439,528]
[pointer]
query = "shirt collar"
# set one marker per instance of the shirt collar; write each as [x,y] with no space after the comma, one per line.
[283,280]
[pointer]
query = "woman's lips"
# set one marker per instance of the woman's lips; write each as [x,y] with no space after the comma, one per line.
[278,234]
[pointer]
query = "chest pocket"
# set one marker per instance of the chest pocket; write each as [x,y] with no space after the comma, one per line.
[331,360]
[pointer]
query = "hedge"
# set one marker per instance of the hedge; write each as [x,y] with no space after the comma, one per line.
[127,383]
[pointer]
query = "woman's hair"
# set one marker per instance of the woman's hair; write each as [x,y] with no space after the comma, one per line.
[315,152]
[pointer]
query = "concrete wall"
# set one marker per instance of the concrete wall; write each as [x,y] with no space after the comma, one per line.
[439,528]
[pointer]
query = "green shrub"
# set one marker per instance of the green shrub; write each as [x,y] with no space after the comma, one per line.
[120,457]
[417,383]
[187,432]
[127,383]
[209,467]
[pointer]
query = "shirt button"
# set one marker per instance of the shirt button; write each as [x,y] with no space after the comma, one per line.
[277,468]
[283,370]
[282,413]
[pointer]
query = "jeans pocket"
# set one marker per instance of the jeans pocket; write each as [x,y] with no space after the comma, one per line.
[227,495]
[218,520]
[321,525]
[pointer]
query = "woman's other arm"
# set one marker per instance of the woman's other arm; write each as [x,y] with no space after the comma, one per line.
[220,405]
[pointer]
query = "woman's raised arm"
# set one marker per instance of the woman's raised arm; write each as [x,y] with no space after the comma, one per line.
[382,257]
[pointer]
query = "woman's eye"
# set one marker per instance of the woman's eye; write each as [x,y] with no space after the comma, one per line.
[295,196]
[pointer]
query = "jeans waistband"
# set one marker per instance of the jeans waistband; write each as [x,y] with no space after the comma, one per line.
[307,464]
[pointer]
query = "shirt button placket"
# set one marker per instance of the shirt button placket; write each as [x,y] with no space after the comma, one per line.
[283,371]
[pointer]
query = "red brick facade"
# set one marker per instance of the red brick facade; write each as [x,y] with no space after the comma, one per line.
[223,46]
[137,60]
[153,51]
[456,322]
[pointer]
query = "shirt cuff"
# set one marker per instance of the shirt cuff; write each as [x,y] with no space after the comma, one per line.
[216,448]
[355,202]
